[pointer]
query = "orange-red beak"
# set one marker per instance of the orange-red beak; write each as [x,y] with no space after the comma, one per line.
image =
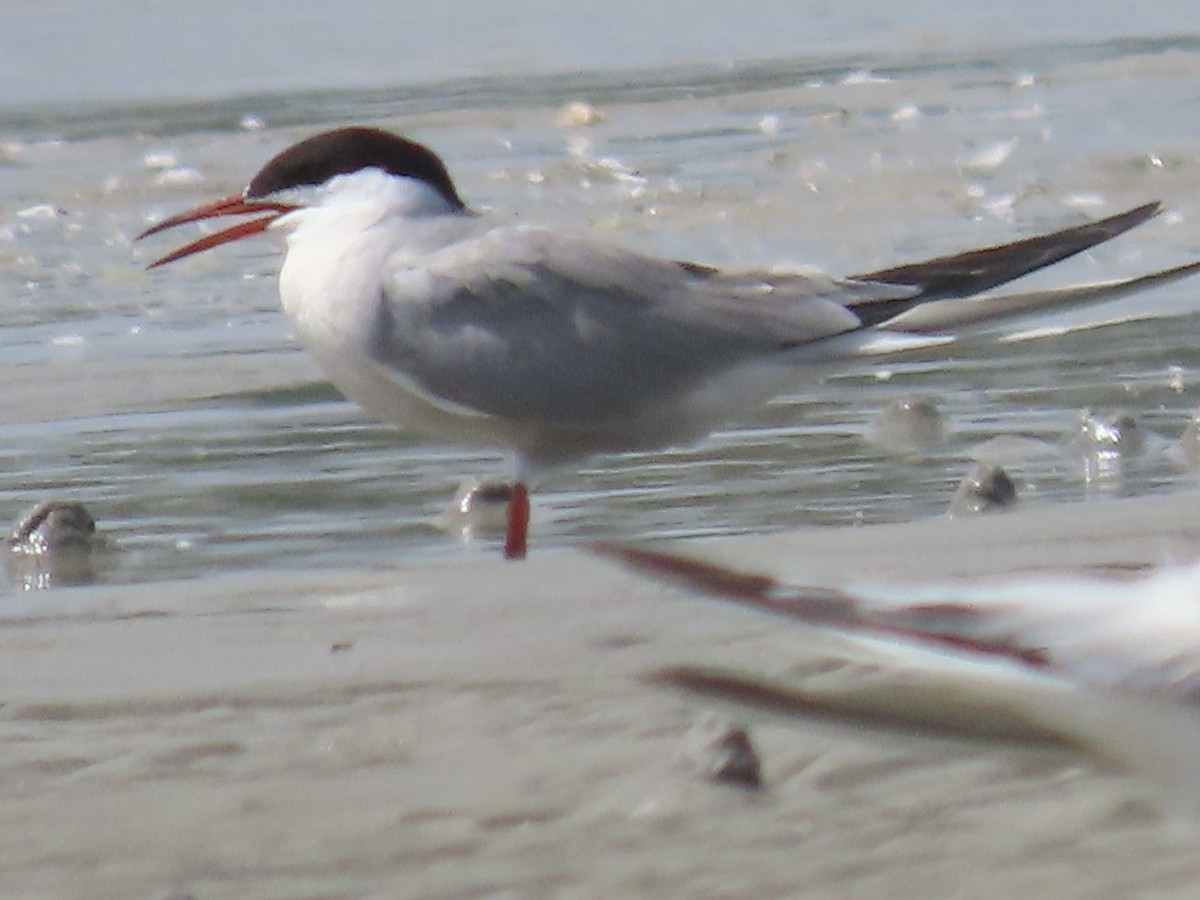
[234,205]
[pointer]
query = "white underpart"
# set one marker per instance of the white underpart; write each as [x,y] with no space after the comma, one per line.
[340,251]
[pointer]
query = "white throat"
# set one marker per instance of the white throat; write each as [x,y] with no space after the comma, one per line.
[339,248]
[362,199]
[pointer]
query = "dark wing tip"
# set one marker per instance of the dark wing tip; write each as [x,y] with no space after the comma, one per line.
[975,271]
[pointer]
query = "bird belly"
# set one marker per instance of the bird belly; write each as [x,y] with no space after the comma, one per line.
[539,444]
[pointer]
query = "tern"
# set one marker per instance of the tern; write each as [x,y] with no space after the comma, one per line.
[553,347]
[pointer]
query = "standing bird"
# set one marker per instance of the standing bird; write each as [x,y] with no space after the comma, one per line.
[553,347]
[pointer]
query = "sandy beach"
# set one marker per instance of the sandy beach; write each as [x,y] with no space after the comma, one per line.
[407,732]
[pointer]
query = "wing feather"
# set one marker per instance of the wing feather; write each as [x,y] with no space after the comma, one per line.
[529,325]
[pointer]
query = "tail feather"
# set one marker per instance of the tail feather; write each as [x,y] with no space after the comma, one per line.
[944,315]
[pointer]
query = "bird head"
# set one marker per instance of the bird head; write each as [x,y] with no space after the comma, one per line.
[313,162]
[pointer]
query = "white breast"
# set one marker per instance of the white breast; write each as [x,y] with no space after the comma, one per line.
[340,252]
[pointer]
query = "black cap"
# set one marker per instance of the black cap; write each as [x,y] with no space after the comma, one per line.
[345,150]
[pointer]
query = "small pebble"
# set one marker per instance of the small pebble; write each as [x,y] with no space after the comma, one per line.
[735,761]
[178,175]
[726,755]
[1189,443]
[478,508]
[990,158]
[908,423]
[41,211]
[578,114]
[1116,432]
[986,488]
[54,543]
[160,159]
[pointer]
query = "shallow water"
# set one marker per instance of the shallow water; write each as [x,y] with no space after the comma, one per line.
[816,159]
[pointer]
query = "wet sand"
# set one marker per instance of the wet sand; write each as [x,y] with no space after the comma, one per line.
[487,730]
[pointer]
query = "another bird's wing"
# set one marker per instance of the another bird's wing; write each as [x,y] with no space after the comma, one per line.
[1108,665]
[1110,630]
[529,325]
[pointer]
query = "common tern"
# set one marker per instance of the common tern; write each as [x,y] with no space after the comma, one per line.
[553,347]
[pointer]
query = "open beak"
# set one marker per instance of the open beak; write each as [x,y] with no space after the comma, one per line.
[234,205]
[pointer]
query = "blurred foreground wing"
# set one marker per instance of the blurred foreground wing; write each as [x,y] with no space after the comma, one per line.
[1105,665]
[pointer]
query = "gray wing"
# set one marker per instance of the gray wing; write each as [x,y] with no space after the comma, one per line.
[526,324]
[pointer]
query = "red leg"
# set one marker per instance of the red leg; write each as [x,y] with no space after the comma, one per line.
[518,522]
